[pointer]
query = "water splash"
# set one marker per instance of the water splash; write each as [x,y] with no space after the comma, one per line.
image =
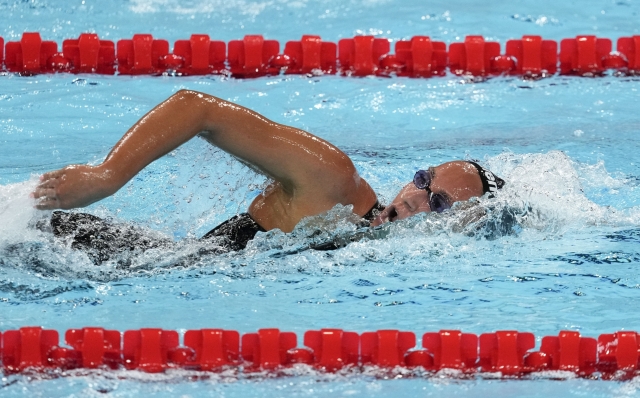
[552,187]
[544,198]
[17,213]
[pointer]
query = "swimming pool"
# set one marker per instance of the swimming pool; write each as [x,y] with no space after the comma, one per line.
[565,145]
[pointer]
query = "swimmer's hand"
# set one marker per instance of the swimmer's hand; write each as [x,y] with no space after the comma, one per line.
[73,186]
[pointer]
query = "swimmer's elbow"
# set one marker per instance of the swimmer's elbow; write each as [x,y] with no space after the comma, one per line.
[194,99]
[184,93]
[201,106]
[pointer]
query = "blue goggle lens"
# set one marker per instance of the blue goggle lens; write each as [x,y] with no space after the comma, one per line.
[422,179]
[437,202]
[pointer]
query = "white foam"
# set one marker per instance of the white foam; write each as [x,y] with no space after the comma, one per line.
[17,212]
[553,186]
[249,8]
[544,197]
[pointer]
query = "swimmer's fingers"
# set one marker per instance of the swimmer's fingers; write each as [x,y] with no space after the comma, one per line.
[47,204]
[50,179]
[44,192]
[46,189]
[48,184]
[46,199]
[52,175]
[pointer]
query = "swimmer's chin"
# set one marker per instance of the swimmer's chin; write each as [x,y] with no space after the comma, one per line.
[378,221]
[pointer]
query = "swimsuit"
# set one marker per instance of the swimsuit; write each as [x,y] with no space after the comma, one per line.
[101,238]
[237,231]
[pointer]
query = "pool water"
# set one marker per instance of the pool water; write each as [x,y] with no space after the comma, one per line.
[556,250]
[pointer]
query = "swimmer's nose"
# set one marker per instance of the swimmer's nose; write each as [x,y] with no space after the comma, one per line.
[414,200]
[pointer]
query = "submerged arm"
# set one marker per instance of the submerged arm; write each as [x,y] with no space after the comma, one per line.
[297,160]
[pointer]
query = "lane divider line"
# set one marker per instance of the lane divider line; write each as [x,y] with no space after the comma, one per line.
[253,56]
[507,352]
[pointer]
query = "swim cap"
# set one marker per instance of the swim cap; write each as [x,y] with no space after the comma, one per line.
[490,182]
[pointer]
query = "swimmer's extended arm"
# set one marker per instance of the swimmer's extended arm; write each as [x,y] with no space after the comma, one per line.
[302,163]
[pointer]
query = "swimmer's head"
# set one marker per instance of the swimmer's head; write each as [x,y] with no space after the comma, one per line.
[438,188]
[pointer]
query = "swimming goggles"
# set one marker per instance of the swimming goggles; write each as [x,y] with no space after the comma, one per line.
[437,202]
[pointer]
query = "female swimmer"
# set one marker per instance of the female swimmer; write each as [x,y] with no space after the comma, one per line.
[309,175]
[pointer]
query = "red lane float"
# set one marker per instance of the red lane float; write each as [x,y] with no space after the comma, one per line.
[629,47]
[30,54]
[533,56]
[253,56]
[568,351]
[95,347]
[332,349]
[29,347]
[361,55]
[473,57]
[268,348]
[142,55]
[504,351]
[309,55]
[212,349]
[150,350]
[587,56]
[201,55]
[89,54]
[420,57]
[385,348]
[509,353]
[619,351]
[452,349]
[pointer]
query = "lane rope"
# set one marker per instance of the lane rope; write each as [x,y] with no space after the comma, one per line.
[253,56]
[505,353]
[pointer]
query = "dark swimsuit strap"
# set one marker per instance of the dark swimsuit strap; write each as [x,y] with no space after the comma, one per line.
[236,232]
[373,213]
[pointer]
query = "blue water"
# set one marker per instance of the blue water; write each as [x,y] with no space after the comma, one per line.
[566,146]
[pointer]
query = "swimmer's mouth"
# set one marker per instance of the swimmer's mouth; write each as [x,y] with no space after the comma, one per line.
[389,214]
[392,215]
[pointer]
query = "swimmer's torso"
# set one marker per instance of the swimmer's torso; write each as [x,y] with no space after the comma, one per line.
[277,208]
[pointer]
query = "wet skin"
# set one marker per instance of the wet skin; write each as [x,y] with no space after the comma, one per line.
[457,181]
[309,175]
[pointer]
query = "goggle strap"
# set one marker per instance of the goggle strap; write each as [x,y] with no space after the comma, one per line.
[490,182]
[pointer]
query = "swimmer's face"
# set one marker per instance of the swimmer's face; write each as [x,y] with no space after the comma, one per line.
[454,181]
